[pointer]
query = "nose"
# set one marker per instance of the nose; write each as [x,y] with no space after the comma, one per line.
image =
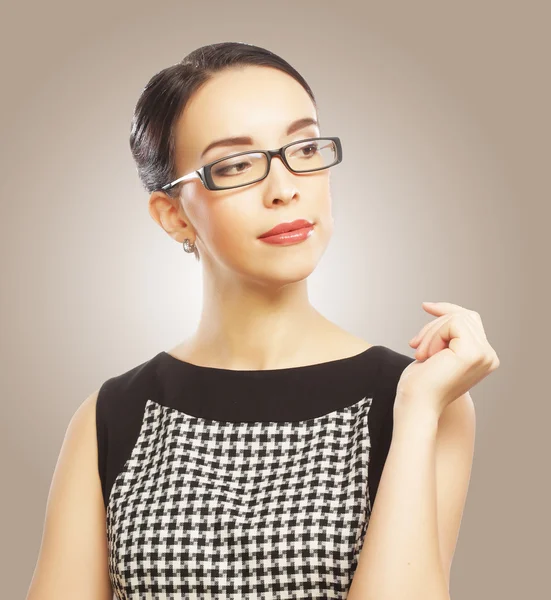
[280,184]
[278,162]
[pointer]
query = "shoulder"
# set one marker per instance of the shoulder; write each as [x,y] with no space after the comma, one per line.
[116,391]
[118,405]
[390,362]
[391,365]
[73,537]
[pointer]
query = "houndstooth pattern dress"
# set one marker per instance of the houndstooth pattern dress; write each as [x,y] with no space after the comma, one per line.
[242,484]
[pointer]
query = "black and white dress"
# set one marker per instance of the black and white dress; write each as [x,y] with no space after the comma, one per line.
[231,484]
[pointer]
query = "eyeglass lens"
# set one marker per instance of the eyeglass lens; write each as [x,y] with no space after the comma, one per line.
[301,156]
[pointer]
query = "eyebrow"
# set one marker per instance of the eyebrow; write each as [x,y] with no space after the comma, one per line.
[243,139]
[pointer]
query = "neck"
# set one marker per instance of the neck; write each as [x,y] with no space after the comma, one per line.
[254,326]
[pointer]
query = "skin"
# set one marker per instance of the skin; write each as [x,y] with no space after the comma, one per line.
[255,298]
[255,302]
[255,294]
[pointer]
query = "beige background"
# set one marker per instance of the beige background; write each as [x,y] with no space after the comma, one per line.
[443,194]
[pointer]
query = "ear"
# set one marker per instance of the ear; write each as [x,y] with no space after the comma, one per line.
[170,215]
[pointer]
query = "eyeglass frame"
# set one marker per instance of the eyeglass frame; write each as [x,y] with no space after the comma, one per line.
[204,172]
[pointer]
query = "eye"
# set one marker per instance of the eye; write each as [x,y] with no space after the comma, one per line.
[311,147]
[225,168]
[306,151]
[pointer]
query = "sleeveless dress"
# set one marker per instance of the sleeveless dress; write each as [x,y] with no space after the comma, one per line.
[235,484]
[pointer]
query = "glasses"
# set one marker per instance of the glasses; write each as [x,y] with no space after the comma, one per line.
[304,156]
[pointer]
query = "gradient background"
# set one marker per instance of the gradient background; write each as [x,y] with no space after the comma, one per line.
[443,194]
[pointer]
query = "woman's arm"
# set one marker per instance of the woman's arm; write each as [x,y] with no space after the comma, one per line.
[400,558]
[72,561]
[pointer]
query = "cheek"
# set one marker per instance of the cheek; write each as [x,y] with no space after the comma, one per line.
[223,228]
[324,208]
[228,228]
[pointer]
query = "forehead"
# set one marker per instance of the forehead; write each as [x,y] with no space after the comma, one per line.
[255,101]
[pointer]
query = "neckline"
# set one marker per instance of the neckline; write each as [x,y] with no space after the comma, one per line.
[258,372]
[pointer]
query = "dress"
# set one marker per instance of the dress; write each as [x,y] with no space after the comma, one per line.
[231,484]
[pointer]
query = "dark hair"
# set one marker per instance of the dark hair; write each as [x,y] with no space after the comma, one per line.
[166,94]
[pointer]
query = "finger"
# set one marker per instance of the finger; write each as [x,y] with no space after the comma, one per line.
[477,331]
[436,330]
[424,329]
[441,308]
[476,319]
[438,342]
[483,346]
[437,308]
[462,341]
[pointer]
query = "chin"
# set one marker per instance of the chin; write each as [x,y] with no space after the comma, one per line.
[290,263]
[279,264]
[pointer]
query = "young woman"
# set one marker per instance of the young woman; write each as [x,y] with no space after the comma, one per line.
[245,462]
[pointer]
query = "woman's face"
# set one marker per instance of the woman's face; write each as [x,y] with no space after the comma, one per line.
[260,103]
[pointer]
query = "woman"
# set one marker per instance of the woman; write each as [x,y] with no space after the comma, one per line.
[245,461]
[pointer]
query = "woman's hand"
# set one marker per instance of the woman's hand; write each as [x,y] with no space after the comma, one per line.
[452,356]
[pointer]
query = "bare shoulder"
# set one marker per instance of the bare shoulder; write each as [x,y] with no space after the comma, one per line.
[72,559]
[84,416]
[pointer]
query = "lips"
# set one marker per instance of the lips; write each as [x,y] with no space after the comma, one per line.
[285,227]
